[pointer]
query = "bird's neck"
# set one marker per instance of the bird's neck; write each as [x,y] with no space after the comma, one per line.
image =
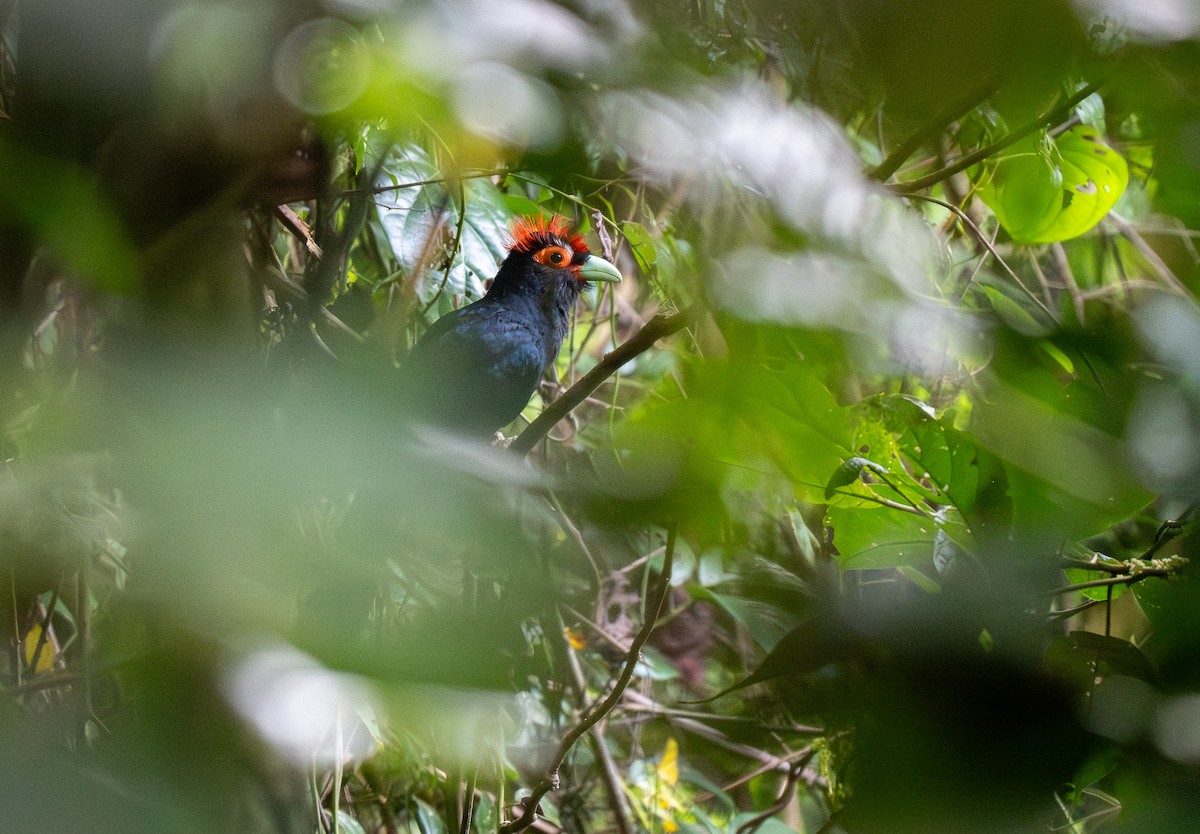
[560,301]
[554,301]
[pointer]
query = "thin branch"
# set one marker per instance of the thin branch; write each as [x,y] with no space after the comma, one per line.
[1068,277]
[935,126]
[657,328]
[44,635]
[530,803]
[608,766]
[1068,613]
[453,253]
[1114,568]
[965,162]
[1135,570]
[468,813]
[572,530]
[299,229]
[1109,581]
[785,796]
[987,244]
[46,680]
[1147,251]
[383,189]
[694,722]
[885,502]
[912,505]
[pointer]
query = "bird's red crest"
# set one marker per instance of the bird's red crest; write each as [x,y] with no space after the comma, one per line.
[528,234]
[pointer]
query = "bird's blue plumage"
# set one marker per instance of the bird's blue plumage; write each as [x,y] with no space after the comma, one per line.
[477,367]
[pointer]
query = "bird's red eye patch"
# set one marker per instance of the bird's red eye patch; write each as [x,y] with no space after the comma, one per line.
[555,256]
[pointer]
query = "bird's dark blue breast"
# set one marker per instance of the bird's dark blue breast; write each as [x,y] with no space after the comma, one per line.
[477,367]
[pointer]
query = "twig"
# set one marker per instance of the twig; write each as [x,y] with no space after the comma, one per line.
[910,145]
[1155,260]
[46,680]
[1068,278]
[987,244]
[640,703]
[1068,613]
[657,328]
[469,802]
[83,629]
[551,782]
[1115,568]
[277,280]
[44,635]
[885,502]
[1135,570]
[572,530]
[785,796]
[608,767]
[965,162]
[453,253]
[383,189]
[912,507]
[299,229]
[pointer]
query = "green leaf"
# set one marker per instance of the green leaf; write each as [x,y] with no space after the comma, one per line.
[942,454]
[1082,656]
[641,244]
[766,623]
[61,203]
[849,472]
[421,222]
[348,824]
[1019,315]
[428,819]
[1025,192]
[871,538]
[1065,473]
[919,579]
[804,649]
[1080,575]
[519,205]
[1055,196]
[1090,112]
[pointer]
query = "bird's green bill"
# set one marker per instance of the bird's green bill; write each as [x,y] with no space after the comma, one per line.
[598,269]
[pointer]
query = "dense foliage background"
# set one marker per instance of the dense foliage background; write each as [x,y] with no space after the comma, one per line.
[909,457]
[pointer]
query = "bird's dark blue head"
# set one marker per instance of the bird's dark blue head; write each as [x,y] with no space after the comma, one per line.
[546,259]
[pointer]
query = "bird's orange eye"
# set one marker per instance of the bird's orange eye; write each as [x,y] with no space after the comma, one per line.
[553,256]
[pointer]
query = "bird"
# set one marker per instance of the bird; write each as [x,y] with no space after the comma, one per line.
[476,368]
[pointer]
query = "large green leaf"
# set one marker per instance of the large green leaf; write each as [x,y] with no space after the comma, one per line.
[422,221]
[1048,194]
[888,538]
[62,203]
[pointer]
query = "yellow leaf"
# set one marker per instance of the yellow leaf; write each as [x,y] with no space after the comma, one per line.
[46,657]
[575,638]
[668,765]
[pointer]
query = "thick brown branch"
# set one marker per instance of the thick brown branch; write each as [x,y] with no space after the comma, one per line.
[657,328]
